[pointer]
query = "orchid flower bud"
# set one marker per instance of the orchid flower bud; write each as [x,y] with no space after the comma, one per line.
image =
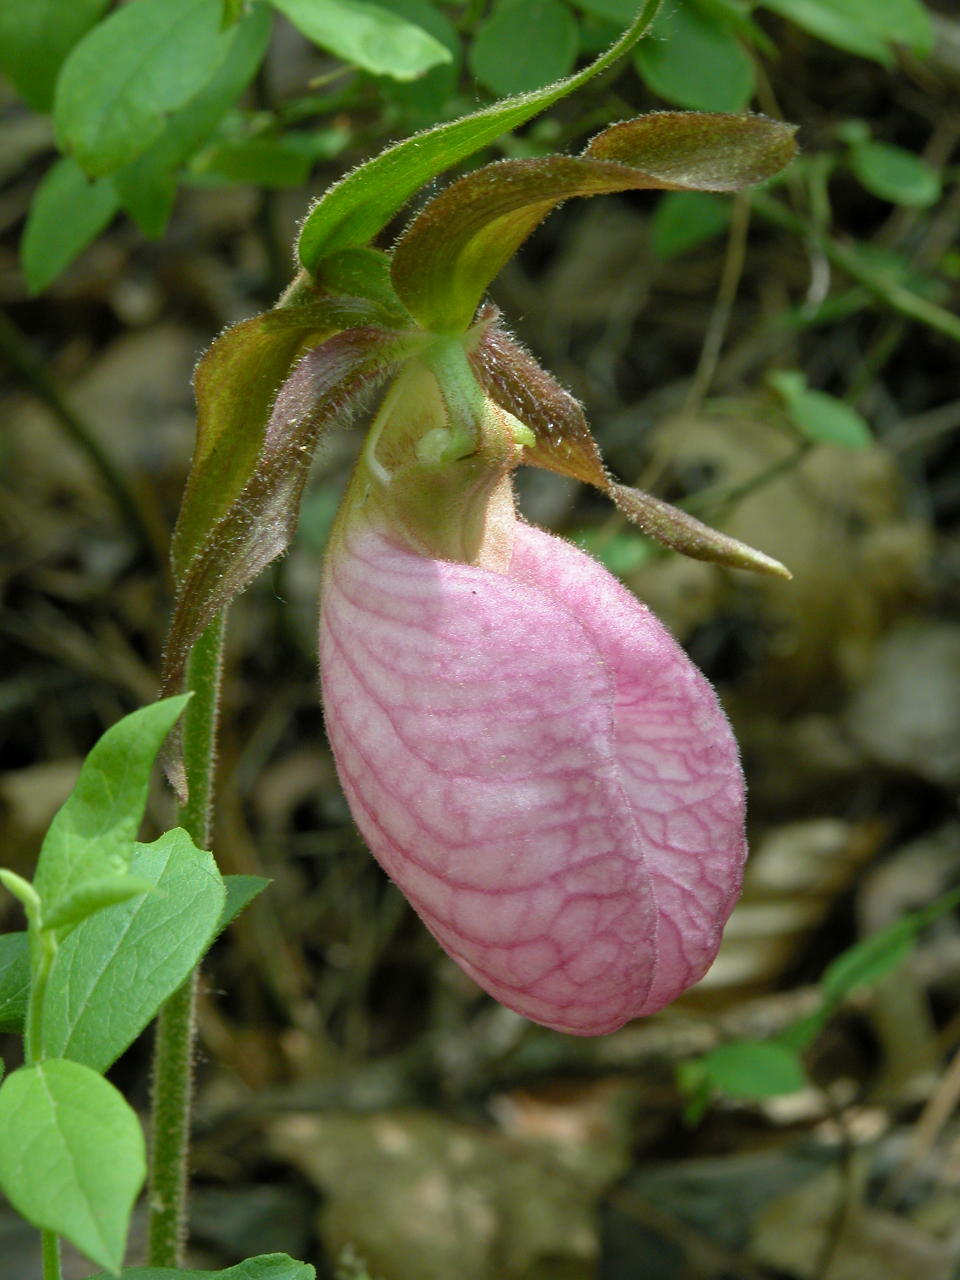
[530,756]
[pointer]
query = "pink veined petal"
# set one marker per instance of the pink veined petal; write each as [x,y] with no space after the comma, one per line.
[541,770]
[679,761]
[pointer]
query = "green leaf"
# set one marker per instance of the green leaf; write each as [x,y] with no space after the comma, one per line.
[269,1266]
[35,38]
[368,35]
[120,82]
[868,961]
[68,211]
[457,244]
[895,174]
[92,835]
[753,1069]
[820,417]
[147,187]
[262,162]
[695,60]
[422,100]
[93,1009]
[622,553]
[355,209]
[685,219]
[865,27]
[618,11]
[873,958]
[240,892]
[93,897]
[14,980]
[72,1156]
[524,44]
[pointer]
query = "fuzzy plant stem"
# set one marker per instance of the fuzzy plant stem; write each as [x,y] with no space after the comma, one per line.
[173,1047]
[44,951]
[50,1243]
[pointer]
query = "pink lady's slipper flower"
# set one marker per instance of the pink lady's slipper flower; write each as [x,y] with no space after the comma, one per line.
[528,753]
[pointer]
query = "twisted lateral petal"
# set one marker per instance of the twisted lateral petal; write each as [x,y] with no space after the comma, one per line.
[539,767]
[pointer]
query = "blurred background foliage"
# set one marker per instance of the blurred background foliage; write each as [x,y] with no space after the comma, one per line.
[784,364]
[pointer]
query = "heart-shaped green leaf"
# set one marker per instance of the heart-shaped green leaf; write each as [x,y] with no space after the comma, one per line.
[92,1010]
[72,1155]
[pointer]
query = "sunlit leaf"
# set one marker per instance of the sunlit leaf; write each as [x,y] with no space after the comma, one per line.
[269,1266]
[368,35]
[93,834]
[240,892]
[862,26]
[14,980]
[422,100]
[873,958]
[146,59]
[93,1010]
[261,162]
[820,417]
[147,186]
[72,1155]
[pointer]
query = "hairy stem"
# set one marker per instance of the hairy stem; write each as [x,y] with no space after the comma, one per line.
[173,1048]
[50,1243]
[43,945]
[723,307]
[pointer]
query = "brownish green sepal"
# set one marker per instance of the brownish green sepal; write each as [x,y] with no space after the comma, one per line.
[449,254]
[236,383]
[682,532]
[259,520]
[514,380]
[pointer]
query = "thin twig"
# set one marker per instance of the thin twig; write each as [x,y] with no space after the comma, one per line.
[723,306]
[887,290]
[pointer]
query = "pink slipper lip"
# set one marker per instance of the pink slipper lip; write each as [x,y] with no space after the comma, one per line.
[539,767]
